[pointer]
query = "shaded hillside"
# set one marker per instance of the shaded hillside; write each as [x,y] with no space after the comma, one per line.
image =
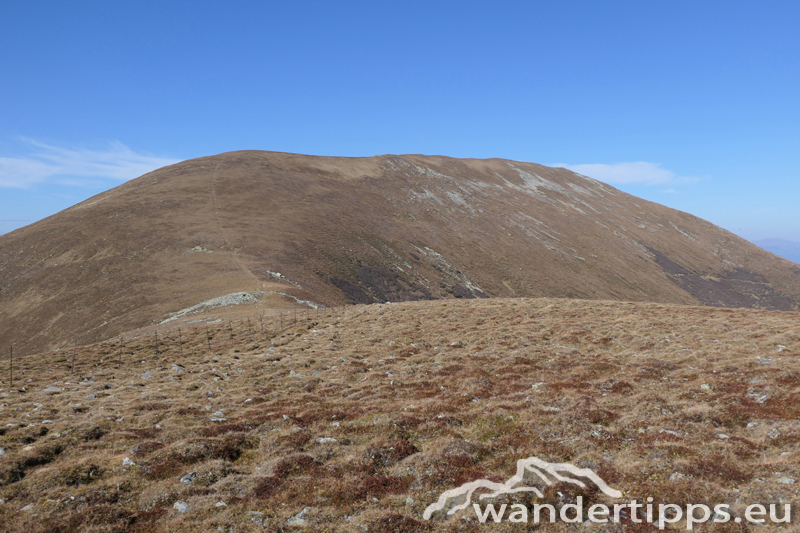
[329,230]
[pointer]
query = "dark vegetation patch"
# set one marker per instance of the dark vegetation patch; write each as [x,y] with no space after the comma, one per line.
[737,287]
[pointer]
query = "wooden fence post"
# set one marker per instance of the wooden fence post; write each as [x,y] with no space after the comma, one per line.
[119,364]
[11,366]
[74,349]
[156,333]
[208,338]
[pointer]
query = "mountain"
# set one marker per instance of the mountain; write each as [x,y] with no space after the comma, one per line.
[782,248]
[293,230]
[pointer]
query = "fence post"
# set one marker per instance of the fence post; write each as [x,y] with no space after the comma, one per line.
[261,319]
[230,327]
[208,338]
[180,341]
[74,349]
[281,319]
[119,364]
[11,367]
[156,333]
[295,316]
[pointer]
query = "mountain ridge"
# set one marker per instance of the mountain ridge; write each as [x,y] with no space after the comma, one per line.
[334,230]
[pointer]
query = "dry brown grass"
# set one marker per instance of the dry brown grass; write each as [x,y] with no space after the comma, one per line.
[420,398]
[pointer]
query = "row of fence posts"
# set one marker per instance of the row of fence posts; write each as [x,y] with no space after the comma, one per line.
[155,335]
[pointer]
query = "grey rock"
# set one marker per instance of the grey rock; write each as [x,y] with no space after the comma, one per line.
[326,440]
[764,360]
[147,376]
[90,396]
[188,479]
[128,462]
[774,433]
[751,425]
[181,507]
[669,432]
[220,504]
[177,368]
[298,520]
[785,480]
[675,476]
[52,389]
[2,452]
[218,419]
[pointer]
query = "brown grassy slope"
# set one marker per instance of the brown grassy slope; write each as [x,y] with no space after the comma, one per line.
[420,397]
[362,230]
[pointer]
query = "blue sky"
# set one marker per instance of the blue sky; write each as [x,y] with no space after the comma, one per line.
[695,105]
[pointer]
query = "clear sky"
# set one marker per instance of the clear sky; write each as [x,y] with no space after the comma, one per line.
[695,105]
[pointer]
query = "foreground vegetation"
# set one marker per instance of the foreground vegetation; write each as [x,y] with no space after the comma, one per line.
[356,420]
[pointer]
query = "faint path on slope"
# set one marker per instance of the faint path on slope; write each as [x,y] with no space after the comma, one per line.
[234,255]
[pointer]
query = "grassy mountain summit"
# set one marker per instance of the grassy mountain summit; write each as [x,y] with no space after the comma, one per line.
[296,231]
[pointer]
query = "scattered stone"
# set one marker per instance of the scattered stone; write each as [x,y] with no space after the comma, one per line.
[722,436]
[28,508]
[326,440]
[90,397]
[181,507]
[52,389]
[676,476]
[248,400]
[785,480]
[147,376]
[2,452]
[47,421]
[751,425]
[774,433]
[188,479]
[764,360]
[409,501]
[218,413]
[177,368]
[298,520]
[128,462]
[705,386]
[297,429]
[220,504]
[669,432]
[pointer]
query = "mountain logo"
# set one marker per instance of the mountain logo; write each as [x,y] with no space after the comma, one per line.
[528,470]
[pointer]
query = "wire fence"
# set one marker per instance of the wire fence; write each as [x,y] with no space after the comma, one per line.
[164,345]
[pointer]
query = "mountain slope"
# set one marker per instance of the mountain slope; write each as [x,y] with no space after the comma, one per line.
[337,230]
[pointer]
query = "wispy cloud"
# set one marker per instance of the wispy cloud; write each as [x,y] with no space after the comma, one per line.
[642,172]
[46,163]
